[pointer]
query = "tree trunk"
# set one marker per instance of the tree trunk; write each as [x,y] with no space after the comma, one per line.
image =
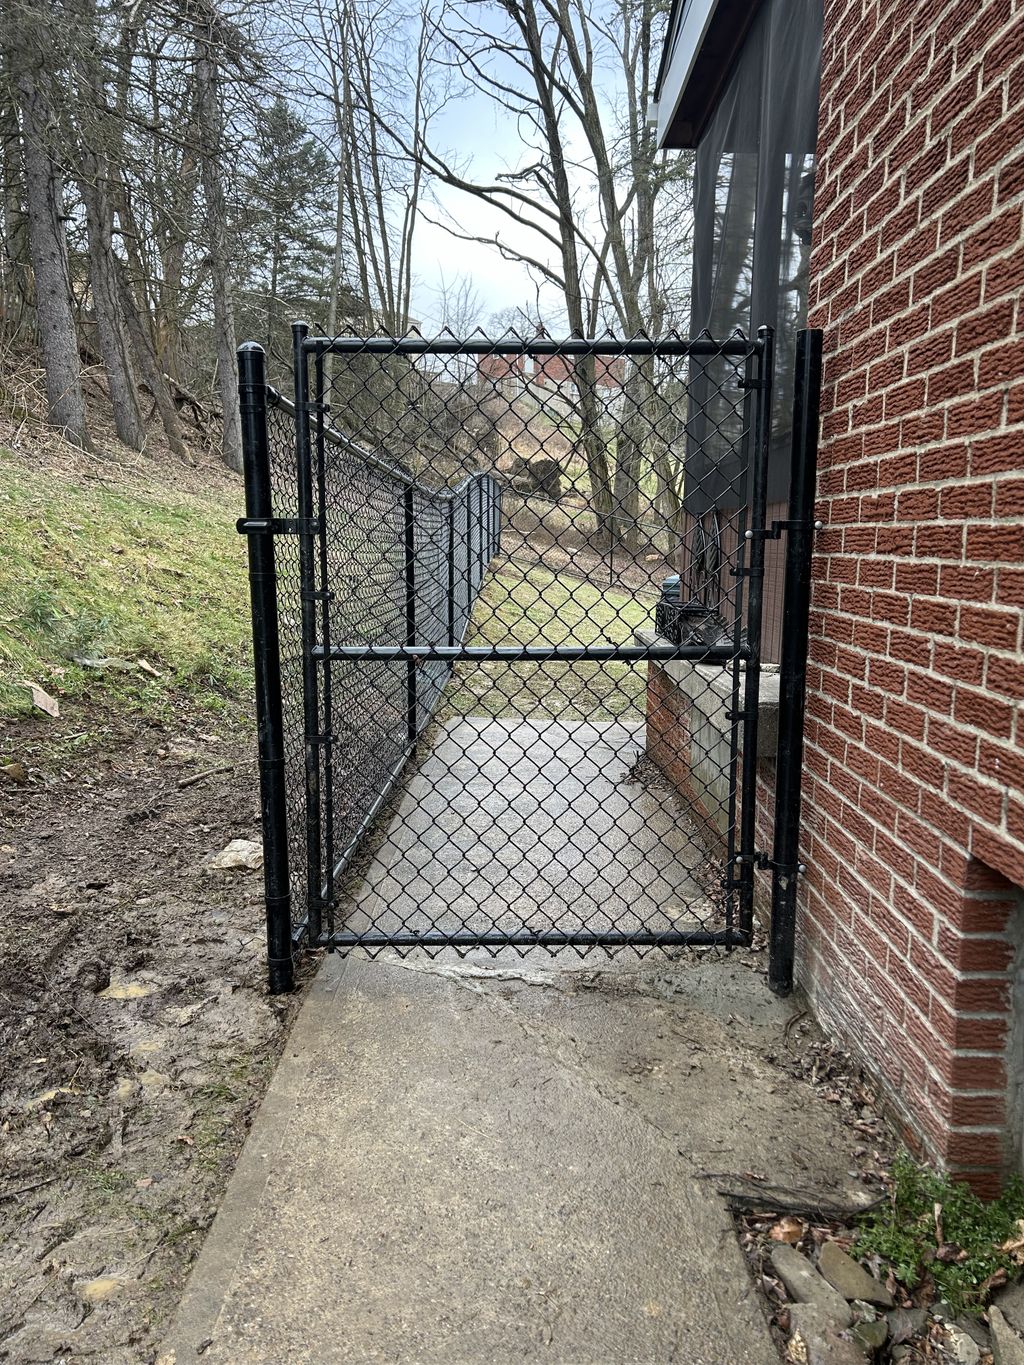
[594,450]
[48,248]
[149,367]
[211,125]
[15,273]
[634,431]
[337,263]
[106,302]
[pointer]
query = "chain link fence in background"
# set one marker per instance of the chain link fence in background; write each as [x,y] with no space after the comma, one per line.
[405,562]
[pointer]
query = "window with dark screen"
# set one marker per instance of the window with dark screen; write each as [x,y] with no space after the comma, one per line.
[754,196]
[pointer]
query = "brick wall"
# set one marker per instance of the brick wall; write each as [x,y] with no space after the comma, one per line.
[914,828]
[668,744]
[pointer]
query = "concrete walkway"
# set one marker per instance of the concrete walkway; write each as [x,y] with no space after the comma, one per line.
[463,1162]
[531,823]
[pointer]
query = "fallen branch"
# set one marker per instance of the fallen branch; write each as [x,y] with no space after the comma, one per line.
[27,1189]
[201,777]
[742,1194]
[180,396]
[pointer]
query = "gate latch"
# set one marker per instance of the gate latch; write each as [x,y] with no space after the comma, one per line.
[279,526]
[777,528]
[764,863]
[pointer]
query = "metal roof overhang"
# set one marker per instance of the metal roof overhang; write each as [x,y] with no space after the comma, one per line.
[703,39]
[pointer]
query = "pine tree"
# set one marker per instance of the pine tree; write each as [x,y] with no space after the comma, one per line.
[288,196]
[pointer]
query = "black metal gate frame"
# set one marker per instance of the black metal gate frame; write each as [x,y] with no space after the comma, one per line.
[261,527]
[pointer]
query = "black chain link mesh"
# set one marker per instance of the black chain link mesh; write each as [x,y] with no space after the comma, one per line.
[284,492]
[494,628]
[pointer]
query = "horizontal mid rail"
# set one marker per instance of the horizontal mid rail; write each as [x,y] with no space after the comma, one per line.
[702,654]
[541,938]
[703,347]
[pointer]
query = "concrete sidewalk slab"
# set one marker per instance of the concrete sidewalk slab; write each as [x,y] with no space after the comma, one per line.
[526,823]
[467,1162]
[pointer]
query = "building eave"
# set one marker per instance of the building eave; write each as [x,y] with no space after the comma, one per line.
[703,39]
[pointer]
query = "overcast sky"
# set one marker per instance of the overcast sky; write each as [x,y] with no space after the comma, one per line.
[486,145]
[491,145]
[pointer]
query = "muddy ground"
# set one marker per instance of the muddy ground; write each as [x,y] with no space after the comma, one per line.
[136,1034]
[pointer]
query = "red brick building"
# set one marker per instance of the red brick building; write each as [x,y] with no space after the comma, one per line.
[549,371]
[911,918]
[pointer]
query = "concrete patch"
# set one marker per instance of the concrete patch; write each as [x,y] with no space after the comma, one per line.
[476,1162]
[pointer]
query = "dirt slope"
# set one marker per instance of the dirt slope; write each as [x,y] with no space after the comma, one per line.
[136,1035]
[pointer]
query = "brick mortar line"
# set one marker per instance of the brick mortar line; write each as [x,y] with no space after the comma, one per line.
[956,241]
[928,825]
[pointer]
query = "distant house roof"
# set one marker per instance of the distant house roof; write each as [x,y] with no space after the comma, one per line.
[703,39]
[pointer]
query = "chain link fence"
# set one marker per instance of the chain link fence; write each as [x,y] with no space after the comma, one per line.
[526,578]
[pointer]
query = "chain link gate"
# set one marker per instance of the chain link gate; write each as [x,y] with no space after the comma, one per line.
[490,579]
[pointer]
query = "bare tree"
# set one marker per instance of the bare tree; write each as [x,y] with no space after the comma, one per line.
[211,133]
[44,195]
[540,62]
[375,71]
[15,267]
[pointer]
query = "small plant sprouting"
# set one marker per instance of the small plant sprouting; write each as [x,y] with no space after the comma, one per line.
[937,1228]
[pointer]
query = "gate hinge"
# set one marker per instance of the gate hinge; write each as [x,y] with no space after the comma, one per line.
[279,526]
[758,858]
[750,384]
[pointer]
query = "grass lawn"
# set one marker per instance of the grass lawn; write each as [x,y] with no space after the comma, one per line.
[110,571]
[533,607]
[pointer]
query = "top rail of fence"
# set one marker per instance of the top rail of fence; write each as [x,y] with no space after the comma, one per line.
[700,346]
[340,441]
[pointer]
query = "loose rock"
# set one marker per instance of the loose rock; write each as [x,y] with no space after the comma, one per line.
[1007,1346]
[817,1339]
[239,853]
[851,1279]
[805,1285]
[905,1323]
[871,1336]
[976,1331]
[964,1350]
[1010,1302]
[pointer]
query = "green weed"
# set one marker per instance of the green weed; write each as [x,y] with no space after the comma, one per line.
[905,1234]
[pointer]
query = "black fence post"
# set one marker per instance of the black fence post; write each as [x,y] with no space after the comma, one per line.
[479,572]
[310,680]
[252,395]
[793,660]
[755,593]
[412,709]
[320,399]
[470,542]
